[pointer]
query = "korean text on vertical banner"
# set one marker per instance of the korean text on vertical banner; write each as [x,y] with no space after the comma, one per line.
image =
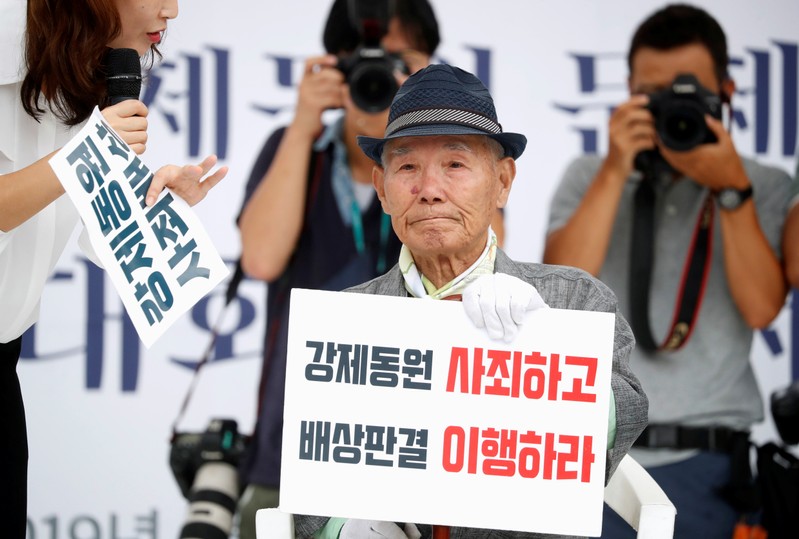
[160,258]
[408,400]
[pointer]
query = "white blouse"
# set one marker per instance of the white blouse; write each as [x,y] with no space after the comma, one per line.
[29,252]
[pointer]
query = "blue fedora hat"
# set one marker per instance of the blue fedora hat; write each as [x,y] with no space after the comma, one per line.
[443,100]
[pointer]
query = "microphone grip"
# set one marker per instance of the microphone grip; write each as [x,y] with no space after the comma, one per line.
[123,87]
[123,75]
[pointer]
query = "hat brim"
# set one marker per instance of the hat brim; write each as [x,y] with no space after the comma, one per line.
[513,143]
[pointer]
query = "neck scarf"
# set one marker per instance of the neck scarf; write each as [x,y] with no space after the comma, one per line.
[420,286]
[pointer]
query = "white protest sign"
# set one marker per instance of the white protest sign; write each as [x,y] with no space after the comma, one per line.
[160,258]
[400,409]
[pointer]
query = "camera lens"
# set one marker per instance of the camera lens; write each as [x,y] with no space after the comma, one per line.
[372,86]
[683,128]
[212,502]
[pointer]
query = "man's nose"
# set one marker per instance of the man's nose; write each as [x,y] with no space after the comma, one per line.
[430,186]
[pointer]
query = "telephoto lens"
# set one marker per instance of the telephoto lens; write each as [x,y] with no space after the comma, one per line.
[212,502]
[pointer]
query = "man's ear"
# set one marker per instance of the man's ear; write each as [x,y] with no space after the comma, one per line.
[727,91]
[506,173]
[378,180]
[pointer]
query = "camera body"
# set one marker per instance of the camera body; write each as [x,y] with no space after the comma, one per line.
[785,412]
[679,112]
[205,466]
[369,70]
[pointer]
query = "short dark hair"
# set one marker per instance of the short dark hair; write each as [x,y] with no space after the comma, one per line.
[677,25]
[416,16]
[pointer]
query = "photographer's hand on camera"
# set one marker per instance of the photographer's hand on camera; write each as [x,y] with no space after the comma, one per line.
[631,131]
[584,240]
[715,165]
[271,221]
[756,281]
[321,89]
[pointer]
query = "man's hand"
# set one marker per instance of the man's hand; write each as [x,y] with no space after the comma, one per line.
[187,181]
[499,303]
[129,119]
[631,130]
[716,165]
[377,529]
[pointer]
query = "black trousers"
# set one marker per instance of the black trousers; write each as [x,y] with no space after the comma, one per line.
[13,446]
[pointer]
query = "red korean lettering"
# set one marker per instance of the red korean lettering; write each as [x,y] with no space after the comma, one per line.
[570,456]
[577,393]
[474,442]
[501,369]
[458,363]
[499,452]
[588,458]
[454,449]
[529,455]
[534,377]
[554,376]
[550,455]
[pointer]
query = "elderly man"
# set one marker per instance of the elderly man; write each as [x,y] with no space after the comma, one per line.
[443,169]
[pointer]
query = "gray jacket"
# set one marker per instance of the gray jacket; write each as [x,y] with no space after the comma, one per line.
[562,288]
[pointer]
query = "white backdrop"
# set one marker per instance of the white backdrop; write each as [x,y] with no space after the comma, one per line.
[100,406]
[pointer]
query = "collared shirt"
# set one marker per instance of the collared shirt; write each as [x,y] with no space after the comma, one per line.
[421,287]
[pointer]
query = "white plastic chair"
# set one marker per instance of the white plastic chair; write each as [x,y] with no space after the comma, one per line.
[631,492]
[639,500]
[273,524]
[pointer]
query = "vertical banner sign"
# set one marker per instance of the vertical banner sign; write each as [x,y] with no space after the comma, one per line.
[400,409]
[160,259]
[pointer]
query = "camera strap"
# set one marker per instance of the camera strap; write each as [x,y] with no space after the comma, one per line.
[230,293]
[694,276]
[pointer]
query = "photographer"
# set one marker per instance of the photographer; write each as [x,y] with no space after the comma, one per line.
[310,217]
[690,243]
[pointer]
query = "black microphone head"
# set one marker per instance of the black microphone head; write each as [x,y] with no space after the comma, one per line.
[123,75]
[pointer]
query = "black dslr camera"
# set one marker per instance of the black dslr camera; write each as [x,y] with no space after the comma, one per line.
[205,467]
[369,70]
[785,412]
[679,113]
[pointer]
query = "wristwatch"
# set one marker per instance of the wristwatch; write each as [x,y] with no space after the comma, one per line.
[730,198]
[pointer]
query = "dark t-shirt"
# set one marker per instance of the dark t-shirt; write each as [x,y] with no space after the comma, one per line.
[325,258]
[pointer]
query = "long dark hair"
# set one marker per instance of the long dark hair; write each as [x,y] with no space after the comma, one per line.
[65,46]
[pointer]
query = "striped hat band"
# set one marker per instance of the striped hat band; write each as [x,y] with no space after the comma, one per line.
[443,116]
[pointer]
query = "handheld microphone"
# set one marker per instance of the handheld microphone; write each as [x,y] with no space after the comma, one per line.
[123,75]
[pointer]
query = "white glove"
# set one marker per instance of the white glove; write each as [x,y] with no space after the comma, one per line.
[376,529]
[499,303]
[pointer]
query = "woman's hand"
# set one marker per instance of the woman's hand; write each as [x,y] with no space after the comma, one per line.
[188,181]
[129,119]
